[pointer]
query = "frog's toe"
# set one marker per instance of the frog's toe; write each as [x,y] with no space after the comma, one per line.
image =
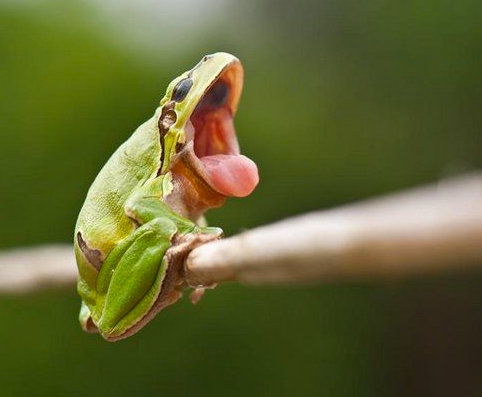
[85,319]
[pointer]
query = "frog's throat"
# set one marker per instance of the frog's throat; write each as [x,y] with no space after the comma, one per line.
[191,195]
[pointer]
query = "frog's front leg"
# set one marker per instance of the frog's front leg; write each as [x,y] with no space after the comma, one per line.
[143,207]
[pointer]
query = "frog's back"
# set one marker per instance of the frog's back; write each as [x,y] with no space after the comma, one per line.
[134,162]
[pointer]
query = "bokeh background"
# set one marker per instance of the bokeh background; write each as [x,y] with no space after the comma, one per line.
[343,100]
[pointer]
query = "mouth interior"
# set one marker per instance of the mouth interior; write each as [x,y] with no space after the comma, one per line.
[212,129]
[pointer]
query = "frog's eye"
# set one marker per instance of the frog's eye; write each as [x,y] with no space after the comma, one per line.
[181,89]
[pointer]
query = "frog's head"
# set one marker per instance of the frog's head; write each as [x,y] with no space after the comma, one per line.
[198,135]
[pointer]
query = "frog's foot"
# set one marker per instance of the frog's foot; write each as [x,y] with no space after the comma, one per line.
[198,293]
[86,321]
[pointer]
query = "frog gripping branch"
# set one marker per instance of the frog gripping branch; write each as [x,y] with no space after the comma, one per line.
[143,213]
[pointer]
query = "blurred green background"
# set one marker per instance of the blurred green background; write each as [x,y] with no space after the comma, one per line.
[343,100]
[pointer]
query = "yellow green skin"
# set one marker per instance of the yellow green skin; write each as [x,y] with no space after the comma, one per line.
[125,227]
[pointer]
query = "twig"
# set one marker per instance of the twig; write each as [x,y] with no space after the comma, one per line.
[36,268]
[428,230]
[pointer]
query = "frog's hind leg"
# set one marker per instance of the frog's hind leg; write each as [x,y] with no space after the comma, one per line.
[174,281]
[130,279]
[125,303]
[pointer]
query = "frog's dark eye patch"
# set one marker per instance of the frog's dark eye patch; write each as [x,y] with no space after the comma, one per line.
[181,90]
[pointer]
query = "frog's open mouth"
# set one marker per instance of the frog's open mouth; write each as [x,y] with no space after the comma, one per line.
[215,154]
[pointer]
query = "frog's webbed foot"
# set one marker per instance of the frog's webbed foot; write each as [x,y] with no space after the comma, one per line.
[175,282]
[86,321]
[198,293]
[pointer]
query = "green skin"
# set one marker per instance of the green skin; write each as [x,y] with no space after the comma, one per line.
[125,229]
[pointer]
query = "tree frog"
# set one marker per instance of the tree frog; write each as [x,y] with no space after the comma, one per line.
[144,211]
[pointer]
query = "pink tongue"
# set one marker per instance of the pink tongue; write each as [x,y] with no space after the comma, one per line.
[231,175]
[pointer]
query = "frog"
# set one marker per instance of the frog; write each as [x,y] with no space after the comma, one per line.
[144,212]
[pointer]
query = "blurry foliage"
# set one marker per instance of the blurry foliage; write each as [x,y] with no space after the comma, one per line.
[343,100]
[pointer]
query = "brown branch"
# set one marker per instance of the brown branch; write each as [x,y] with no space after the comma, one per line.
[427,230]
[36,268]
[423,231]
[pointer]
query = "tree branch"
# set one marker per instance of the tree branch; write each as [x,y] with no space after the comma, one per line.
[35,268]
[427,230]
[422,231]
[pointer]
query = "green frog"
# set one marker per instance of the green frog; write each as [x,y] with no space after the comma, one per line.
[143,213]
